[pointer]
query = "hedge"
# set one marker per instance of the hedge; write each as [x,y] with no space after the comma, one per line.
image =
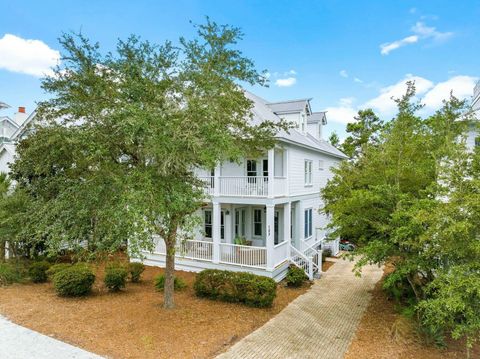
[178,283]
[38,271]
[237,287]
[74,281]
[115,277]
[295,276]
[136,269]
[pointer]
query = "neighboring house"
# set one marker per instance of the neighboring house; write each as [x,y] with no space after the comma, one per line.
[473,137]
[13,130]
[263,214]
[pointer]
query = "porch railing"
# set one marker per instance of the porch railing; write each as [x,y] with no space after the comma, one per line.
[202,250]
[280,253]
[243,255]
[245,186]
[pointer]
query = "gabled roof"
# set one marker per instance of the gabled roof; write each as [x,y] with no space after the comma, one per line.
[3,105]
[317,117]
[291,106]
[20,130]
[8,147]
[261,111]
[9,120]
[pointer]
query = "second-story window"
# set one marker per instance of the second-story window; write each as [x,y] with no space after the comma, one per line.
[308,172]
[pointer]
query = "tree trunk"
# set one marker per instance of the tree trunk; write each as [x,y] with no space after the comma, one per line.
[169,287]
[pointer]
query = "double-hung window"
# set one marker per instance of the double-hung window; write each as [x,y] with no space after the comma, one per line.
[308,223]
[308,172]
[257,222]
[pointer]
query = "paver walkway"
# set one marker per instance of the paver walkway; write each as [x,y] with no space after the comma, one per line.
[319,324]
[17,342]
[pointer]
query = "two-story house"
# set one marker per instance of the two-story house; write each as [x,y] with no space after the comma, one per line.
[263,213]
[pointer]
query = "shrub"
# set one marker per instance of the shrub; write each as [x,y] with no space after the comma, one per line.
[327,252]
[10,273]
[247,288]
[74,281]
[38,271]
[295,276]
[115,277]
[136,269]
[54,269]
[178,283]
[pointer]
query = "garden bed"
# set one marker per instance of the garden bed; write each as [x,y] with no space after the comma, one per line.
[133,324]
[374,339]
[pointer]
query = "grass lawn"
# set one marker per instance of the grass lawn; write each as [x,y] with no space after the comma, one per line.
[133,324]
[374,338]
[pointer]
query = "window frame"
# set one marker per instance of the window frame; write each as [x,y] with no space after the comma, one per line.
[256,222]
[308,172]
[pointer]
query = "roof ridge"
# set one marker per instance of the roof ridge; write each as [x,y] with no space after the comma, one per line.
[287,101]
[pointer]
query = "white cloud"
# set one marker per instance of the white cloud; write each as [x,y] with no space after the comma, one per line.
[413,10]
[356,79]
[32,57]
[420,32]
[384,103]
[291,72]
[286,82]
[461,86]
[427,92]
[387,47]
[343,73]
[341,114]
[425,31]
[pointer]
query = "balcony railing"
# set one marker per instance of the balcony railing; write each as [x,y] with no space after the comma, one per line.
[245,186]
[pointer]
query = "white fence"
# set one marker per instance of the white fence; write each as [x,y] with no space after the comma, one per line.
[202,250]
[243,255]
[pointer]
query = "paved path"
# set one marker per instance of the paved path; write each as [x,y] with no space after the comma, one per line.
[17,342]
[319,324]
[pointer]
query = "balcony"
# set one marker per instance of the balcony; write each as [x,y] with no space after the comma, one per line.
[245,186]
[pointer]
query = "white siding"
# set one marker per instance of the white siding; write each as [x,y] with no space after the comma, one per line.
[296,171]
[5,158]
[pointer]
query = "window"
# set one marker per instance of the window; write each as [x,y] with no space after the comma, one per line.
[265,168]
[251,168]
[240,223]
[321,165]
[257,222]
[308,172]
[208,224]
[308,223]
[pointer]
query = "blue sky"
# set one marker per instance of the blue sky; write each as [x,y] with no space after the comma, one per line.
[345,55]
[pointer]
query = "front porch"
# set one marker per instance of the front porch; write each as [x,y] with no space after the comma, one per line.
[238,237]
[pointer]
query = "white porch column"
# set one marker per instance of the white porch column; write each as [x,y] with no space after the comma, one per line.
[285,171]
[287,209]
[271,173]
[269,235]
[216,182]
[216,231]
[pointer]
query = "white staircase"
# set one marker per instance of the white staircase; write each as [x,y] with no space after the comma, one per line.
[309,258]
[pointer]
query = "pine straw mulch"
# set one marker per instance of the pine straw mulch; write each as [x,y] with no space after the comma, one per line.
[133,323]
[384,334]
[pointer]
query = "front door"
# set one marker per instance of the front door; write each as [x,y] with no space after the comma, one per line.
[240,215]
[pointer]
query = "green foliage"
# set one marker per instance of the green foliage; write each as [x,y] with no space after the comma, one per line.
[453,303]
[74,281]
[55,268]
[364,132]
[115,277]
[334,139]
[178,283]
[38,271]
[136,269]
[410,196]
[238,287]
[11,272]
[295,276]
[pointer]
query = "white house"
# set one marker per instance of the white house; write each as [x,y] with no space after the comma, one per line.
[473,138]
[263,214]
[11,130]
